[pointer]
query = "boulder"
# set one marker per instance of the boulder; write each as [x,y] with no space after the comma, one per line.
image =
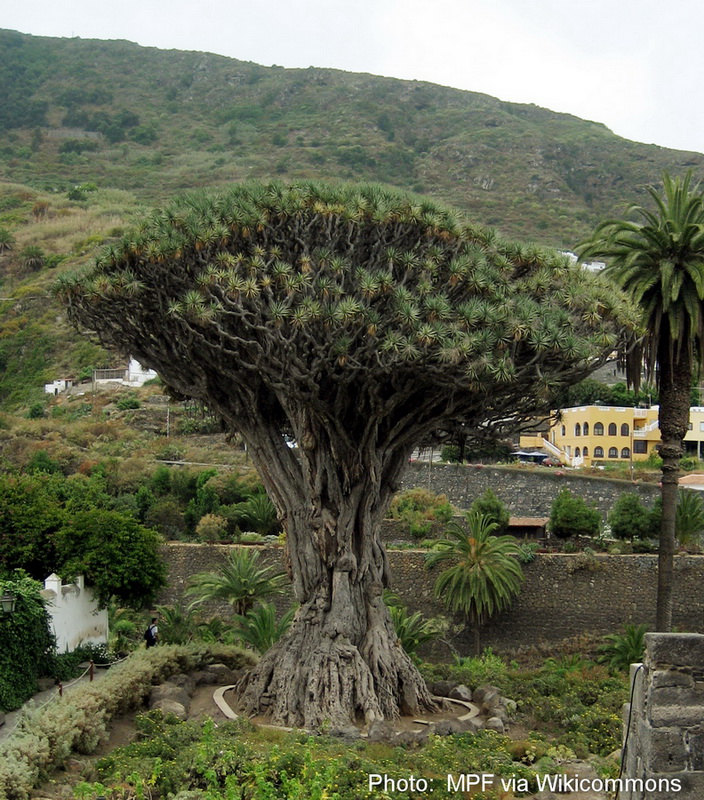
[381,730]
[461,692]
[495,724]
[185,682]
[485,695]
[171,707]
[442,688]
[446,727]
[414,738]
[219,675]
[346,733]
[167,691]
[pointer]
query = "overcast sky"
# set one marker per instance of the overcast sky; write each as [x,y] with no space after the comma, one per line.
[635,65]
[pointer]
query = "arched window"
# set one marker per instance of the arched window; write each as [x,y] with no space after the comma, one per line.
[625,430]
[612,429]
[613,452]
[578,429]
[585,451]
[563,430]
[585,429]
[598,429]
[598,452]
[577,452]
[625,452]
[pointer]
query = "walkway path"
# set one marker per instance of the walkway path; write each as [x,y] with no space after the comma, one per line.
[42,698]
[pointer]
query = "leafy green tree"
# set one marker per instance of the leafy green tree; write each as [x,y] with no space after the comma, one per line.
[118,556]
[259,627]
[30,519]
[486,576]
[32,257]
[241,582]
[571,516]
[489,505]
[659,261]
[177,625]
[629,518]
[357,321]
[27,643]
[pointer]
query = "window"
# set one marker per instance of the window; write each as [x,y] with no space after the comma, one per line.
[563,430]
[585,429]
[625,452]
[577,430]
[577,452]
[640,447]
[625,430]
[612,429]
[598,429]
[613,452]
[585,451]
[598,452]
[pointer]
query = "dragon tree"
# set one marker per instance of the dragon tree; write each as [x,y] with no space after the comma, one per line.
[356,320]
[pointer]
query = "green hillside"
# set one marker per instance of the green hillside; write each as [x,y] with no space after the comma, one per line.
[93,131]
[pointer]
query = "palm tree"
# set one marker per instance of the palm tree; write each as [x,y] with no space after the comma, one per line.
[689,518]
[241,582]
[486,576]
[659,261]
[259,628]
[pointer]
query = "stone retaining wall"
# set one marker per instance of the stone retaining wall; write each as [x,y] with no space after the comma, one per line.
[526,492]
[563,595]
[664,742]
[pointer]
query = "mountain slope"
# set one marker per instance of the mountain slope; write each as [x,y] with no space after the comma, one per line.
[92,131]
[169,120]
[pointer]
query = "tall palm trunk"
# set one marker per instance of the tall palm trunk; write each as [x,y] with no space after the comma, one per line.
[675,391]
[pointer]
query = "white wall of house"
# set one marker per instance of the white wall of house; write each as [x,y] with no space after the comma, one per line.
[58,386]
[75,616]
[137,374]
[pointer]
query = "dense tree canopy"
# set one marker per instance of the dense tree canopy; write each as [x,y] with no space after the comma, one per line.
[355,320]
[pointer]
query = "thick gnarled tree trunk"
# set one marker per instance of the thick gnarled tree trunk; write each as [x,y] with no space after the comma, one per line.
[341,660]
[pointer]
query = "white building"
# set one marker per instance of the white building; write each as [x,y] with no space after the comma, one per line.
[75,616]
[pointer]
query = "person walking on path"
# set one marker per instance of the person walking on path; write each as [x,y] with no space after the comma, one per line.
[151,635]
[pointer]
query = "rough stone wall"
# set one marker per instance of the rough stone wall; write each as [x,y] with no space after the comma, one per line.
[526,492]
[664,742]
[563,595]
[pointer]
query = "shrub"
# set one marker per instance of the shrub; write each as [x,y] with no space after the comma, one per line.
[571,516]
[77,722]
[450,453]
[211,528]
[128,402]
[418,508]
[26,641]
[629,519]
[489,505]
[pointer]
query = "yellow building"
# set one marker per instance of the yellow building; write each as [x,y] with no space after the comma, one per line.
[588,435]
